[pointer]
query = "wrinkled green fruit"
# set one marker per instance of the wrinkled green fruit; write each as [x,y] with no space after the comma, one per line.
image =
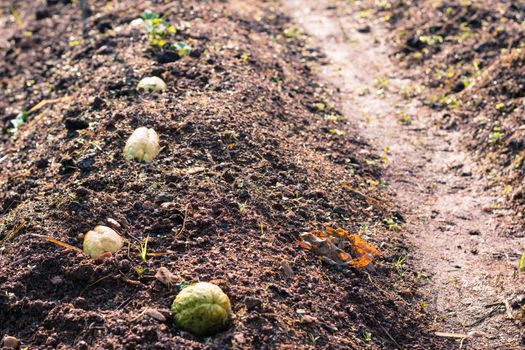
[202,309]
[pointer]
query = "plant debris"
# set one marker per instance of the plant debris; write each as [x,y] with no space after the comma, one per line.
[339,247]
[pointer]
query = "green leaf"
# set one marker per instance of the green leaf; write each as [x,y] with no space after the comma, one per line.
[149,15]
[182,48]
[17,122]
[522,263]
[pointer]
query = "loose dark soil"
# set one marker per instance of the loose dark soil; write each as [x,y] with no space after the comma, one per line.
[249,161]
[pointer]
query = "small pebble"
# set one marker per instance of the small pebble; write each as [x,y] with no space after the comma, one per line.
[11,342]
[287,269]
[113,223]
[155,314]
[82,345]
[239,338]
[56,280]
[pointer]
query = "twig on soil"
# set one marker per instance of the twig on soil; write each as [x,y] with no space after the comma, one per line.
[451,335]
[373,201]
[462,336]
[42,104]
[15,231]
[388,334]
[124,303]
[128,281]
[496,309]
[59,243]
[15,14]
[92,284]
[139,316]
[184,221]
[343,31]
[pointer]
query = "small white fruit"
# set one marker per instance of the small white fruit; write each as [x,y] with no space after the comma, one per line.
[152,84]
[100,240]
[142,145]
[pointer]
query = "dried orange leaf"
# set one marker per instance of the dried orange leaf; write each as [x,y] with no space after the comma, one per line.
[327,245]
[304,245]
[363,261]
[344,256]
[360,247]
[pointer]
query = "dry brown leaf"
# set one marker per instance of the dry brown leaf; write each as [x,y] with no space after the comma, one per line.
[304,245]
[360,247]
[331,244]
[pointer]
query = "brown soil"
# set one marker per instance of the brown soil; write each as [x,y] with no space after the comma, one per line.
[454,222]
[473,73]
[271,126]
[248,162]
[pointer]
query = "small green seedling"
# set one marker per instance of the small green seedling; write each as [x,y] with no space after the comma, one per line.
[160,31]
[182,48]
[431,40]
[400,262]
[143,250]
[392,224]
[17,122]
[521,263]
[496,135]
[157,28]
[140,271]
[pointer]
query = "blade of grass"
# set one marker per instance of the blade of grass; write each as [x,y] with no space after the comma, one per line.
[522,263]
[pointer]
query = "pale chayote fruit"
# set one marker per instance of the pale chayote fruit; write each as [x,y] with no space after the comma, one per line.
[152,84]
[202,309]
[100,240]
[142,145]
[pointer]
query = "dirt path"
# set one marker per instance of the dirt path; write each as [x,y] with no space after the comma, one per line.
[458,236]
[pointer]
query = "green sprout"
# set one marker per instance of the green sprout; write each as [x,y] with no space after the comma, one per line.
[522,263]
[157,28]
[314,339]
[392,224]
[336,133]
[140,271]
[431,40]
[143,250]
[182,48]
[400,262]
[242,207]
[496,135]
[292,33]
[17,122]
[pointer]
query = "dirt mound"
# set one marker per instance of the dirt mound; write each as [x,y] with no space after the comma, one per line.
[252,155]
[469,58]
